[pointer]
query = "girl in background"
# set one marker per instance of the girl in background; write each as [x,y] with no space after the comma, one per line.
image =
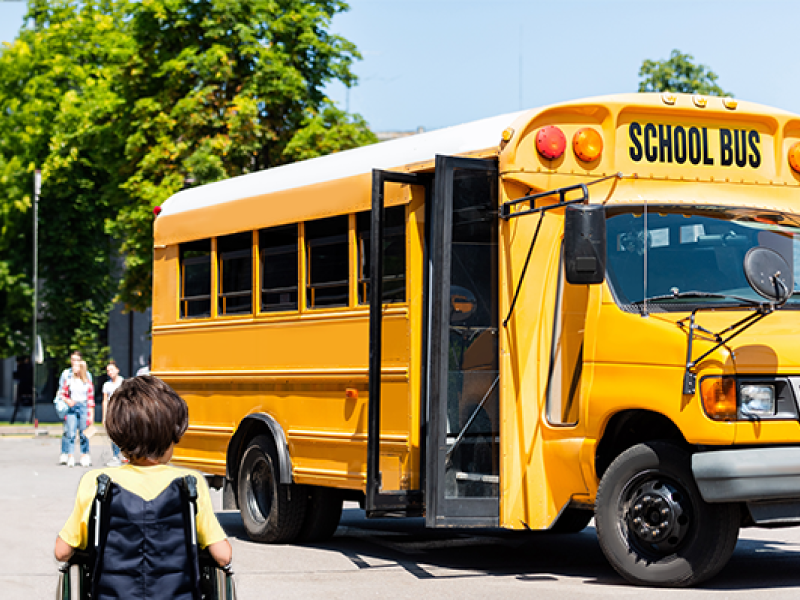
[78,393]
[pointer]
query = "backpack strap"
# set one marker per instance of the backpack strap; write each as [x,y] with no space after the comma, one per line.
[99,529]
[190,491]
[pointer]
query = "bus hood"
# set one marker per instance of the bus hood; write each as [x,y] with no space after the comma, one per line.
[771,345]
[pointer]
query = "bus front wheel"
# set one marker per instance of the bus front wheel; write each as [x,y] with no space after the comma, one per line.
[652,524]
[271,511]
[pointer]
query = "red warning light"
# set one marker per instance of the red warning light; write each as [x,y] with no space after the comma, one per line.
[157,210]
[551,142]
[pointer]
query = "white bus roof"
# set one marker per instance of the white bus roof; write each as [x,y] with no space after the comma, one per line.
[459,139]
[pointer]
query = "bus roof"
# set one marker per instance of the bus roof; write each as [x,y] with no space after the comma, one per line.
[459,139]
[471,137]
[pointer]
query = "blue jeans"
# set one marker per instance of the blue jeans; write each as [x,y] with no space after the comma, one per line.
[76,420]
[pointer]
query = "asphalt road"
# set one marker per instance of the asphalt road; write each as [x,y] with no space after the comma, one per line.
[370,559]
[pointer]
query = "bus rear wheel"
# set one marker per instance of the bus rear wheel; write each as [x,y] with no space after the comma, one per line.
[272,512]
[322,514]
[652,524]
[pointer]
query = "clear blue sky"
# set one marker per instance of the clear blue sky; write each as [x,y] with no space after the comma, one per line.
[435,63]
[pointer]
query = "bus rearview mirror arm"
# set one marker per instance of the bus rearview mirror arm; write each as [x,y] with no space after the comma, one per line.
[770,275]
[506,214]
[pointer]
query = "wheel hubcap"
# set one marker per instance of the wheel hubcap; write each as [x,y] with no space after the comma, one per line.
[258,496]
[656,514]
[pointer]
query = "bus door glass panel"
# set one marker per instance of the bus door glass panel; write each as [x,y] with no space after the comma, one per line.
[234,254]
[473,425]
[463,384]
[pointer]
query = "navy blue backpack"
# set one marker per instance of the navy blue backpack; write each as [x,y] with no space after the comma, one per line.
[144,549]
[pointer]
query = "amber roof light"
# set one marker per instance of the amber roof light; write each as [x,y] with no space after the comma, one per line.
[587,144]
[794,157]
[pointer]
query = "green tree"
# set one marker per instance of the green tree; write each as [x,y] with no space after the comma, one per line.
[119,102]
[219,89]
[57,97]
[679,74]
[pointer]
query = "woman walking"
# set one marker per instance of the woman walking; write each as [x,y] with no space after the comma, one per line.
[78,393]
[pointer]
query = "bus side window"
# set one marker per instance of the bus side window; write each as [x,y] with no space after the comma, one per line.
[394,255]
[327,267]
[278,251]
[234,258]
[195,265]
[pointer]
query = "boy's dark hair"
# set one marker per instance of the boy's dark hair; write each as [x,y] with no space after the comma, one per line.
[146,416]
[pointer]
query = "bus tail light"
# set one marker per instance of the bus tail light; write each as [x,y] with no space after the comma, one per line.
[794,157]
[719,397]
[157,210]
[551,142]
[587,144]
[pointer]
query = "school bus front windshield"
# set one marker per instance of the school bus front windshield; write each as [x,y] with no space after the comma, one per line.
[693,257]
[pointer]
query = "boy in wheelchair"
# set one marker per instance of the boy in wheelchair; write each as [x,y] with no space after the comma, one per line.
[139,529]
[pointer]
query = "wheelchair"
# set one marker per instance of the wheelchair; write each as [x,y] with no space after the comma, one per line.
[82,577]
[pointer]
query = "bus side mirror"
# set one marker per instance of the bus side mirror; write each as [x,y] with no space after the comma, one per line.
[769,274]
[585,243]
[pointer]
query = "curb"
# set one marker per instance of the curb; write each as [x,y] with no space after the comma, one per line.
[43,430]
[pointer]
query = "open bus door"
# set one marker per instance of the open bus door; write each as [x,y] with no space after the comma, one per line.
[463,450]
[380,501]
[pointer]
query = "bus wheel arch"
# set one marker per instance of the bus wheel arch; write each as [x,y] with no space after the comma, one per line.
[251,426]
[630,427]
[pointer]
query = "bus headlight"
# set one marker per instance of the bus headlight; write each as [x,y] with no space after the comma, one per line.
[719,397]
[757,400]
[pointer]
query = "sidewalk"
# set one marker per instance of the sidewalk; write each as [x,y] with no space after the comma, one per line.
[49,423]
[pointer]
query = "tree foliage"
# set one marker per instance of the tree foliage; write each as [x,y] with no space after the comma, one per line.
[119,102]
[218,89]
[58,101]
[679,74]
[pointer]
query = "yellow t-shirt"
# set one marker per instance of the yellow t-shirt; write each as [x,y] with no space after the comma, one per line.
[148,483]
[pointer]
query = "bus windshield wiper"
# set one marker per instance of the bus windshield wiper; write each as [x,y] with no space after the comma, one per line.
[697,294]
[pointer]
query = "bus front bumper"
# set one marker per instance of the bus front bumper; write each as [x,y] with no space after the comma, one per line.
[767,479]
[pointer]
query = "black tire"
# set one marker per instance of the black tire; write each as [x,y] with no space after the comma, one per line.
[271,512]
[323,511]
[691,541]
[572,520]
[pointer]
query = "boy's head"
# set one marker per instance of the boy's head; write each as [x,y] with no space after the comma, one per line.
[145,417]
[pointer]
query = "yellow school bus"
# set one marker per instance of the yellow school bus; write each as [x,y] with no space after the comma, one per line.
[584,310]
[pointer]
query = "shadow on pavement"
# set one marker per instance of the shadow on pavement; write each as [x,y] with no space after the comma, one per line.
[527,556]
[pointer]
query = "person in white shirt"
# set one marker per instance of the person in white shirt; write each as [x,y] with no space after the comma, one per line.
[66,374]
[109,387]
[78,393]
[74,359]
